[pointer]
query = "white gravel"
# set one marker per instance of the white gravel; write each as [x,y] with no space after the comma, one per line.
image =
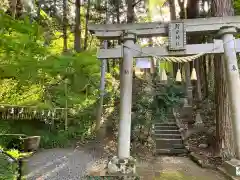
[61,164]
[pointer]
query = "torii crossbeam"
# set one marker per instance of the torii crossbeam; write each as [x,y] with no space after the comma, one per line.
[159,51]
[145,30]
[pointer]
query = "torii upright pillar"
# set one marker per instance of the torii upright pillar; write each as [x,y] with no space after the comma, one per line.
[233,80]
[126,97]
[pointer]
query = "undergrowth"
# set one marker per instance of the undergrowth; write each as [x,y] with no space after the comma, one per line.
[8,168]
[35,74]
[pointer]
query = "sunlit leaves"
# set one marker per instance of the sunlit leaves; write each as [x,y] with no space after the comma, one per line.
[14,93]
[237,7]
[37,72]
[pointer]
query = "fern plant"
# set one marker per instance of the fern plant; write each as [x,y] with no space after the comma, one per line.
[166,97]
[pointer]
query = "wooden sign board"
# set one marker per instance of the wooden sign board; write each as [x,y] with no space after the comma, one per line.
[177,36]
[143,63]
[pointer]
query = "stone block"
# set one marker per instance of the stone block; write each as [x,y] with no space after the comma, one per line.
[186,114]
[232,167]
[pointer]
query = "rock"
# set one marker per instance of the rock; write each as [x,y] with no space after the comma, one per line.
[150,140]
[198,120]
[114,160]
[122,166]
[97,172]
[181,129]
[187,147]
[185,102]
[112,168]
[203,146]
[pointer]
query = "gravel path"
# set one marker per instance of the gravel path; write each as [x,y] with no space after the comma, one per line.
[71,164]
[60,164]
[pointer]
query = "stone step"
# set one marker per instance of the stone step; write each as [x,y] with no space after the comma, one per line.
[165,127]
[168,136]
[174,142]
[171,151]
[168,146]
[171,120]
[169,113]
[168,143]
[178,146]
[170,116]
[156,131]
[165,124]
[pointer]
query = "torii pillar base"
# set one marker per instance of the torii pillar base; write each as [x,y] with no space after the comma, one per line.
[231,169]
[124,168]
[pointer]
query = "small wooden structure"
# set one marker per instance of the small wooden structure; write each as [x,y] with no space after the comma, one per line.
[18,112]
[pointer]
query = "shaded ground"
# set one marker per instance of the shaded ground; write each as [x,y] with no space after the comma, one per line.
[70,163]
[60,164]
[176,168]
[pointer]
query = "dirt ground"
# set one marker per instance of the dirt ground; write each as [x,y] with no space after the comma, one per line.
[175,168]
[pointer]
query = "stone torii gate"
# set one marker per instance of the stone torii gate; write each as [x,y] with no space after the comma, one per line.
[223,27]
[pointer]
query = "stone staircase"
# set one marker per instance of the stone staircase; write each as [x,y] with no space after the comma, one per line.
[168,138]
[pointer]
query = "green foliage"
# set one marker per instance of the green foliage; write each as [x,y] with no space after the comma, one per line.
[236,4]
[8,170]
[152,102]
[30,71]
[142,107]
[167,96]
[33,71]
[38,75]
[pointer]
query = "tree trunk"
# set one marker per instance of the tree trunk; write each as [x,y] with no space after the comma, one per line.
[224,136]
[86,25]
[211,74]
[198,85]
[130,11]
[172,6]
[77,33]
[118,12]
[225,141]
[65,47]
[191,13]
[182,13]
[13,7]
[203,76]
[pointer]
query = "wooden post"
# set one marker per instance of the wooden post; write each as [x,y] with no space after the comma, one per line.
[126,98]
[188,83]
[102,88]
[66,105]
[102,82]
[232,73]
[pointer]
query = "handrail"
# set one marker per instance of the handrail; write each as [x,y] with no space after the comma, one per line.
[13,135]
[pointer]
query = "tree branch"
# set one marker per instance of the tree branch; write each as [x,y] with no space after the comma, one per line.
[134,4]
